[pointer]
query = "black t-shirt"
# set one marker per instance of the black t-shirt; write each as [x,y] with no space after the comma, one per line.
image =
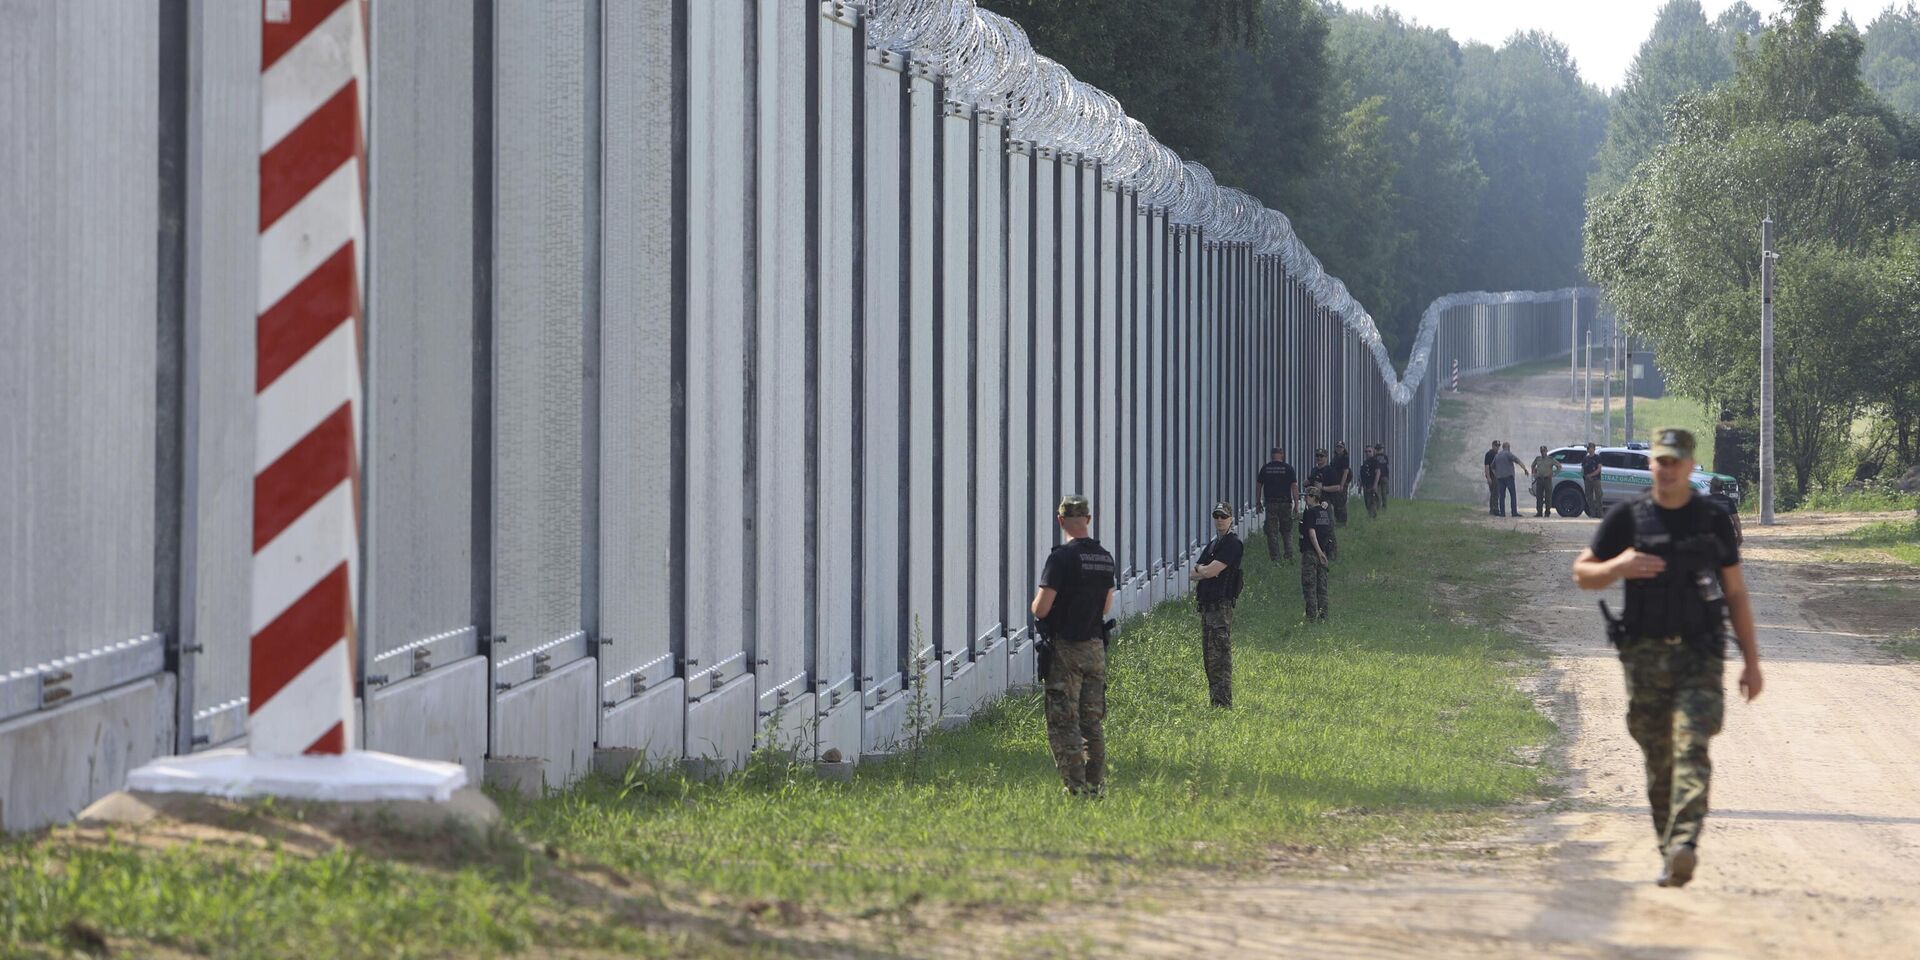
[1276,480]
[1488,459]
[1227,549]
[1369,469]
[1325,476]
[1724,502]
[1080,572]
[1615,534]
[1590,470]
[1382,458]
[1317,519]
[1342,469]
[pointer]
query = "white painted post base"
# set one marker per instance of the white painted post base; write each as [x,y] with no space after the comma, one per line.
[357,776]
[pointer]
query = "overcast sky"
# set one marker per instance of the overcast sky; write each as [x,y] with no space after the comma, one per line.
[1603,34]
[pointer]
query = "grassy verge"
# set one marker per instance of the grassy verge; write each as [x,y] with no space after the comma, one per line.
[1875,498]
[1667,411]
[1396,721]
[1896,541]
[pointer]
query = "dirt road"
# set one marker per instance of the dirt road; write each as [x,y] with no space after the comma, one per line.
[1813,846]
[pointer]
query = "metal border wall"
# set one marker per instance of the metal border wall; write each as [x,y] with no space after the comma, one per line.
[725,362]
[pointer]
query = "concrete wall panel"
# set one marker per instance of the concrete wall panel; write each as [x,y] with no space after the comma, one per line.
[654,721]
[720,725]
[554,718]
[438,715]
[54,763]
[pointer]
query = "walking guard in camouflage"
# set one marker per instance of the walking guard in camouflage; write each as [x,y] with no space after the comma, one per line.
[1684,594]
[1316,552]
[1279,488]
[1219,579]
[1069,610]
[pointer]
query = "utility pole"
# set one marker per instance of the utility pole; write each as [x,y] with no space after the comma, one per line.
[1767,257]
[1626,384]
[1573,351]
[1612,351]
[1586,382]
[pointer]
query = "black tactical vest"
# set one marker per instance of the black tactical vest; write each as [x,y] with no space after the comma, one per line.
[1685,599]
[1080,604]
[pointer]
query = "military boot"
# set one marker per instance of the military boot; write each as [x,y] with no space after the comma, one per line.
[1678,869]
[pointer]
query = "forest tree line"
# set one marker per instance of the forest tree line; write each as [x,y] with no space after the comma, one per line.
[1415,165]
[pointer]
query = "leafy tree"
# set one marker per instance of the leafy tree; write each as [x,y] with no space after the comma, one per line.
[1167,64]
[1411,72]
[1284,113]
[1535,127]
[1891,64]
[1796,133]
[1684,54]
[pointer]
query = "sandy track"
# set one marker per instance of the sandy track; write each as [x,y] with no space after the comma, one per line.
[1812,850]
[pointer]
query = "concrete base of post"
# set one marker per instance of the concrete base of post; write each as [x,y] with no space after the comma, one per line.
[357,776]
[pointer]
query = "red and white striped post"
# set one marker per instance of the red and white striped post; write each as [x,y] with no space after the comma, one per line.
[306,471]
[1456,374]
[308,382]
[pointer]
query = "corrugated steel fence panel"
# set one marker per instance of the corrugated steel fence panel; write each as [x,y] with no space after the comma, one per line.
[78,348]
[222,309]
[418,598]
[887,388]
[636,355]
[539,233]
[779,514]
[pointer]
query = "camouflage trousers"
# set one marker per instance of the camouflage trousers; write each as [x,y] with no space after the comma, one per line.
[1542,496]
[1596,499]
[1216,651]
[1279,529]
[1373,503]
[1076,706]
[1313,586]
[1337,502]
[1675,704]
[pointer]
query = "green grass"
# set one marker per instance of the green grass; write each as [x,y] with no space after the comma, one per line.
[1875,498]
[1667,411]
[1398,721]
[1373,726]
[1907,647]
[1898,540]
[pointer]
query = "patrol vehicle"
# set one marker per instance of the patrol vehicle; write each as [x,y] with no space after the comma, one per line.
[1625,472]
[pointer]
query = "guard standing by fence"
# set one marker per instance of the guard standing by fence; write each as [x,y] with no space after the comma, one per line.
[1279,488]
[1218,574]
[1316,553]
[1543,469]
[1684,594]
[1336,496]
[1323,476]
[1076,591]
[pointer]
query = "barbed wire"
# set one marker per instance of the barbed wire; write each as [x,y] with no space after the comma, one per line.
[988,60]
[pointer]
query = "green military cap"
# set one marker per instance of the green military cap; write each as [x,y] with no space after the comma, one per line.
[1223,509]
[1673,442]
[1312,490]
[1074,505]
